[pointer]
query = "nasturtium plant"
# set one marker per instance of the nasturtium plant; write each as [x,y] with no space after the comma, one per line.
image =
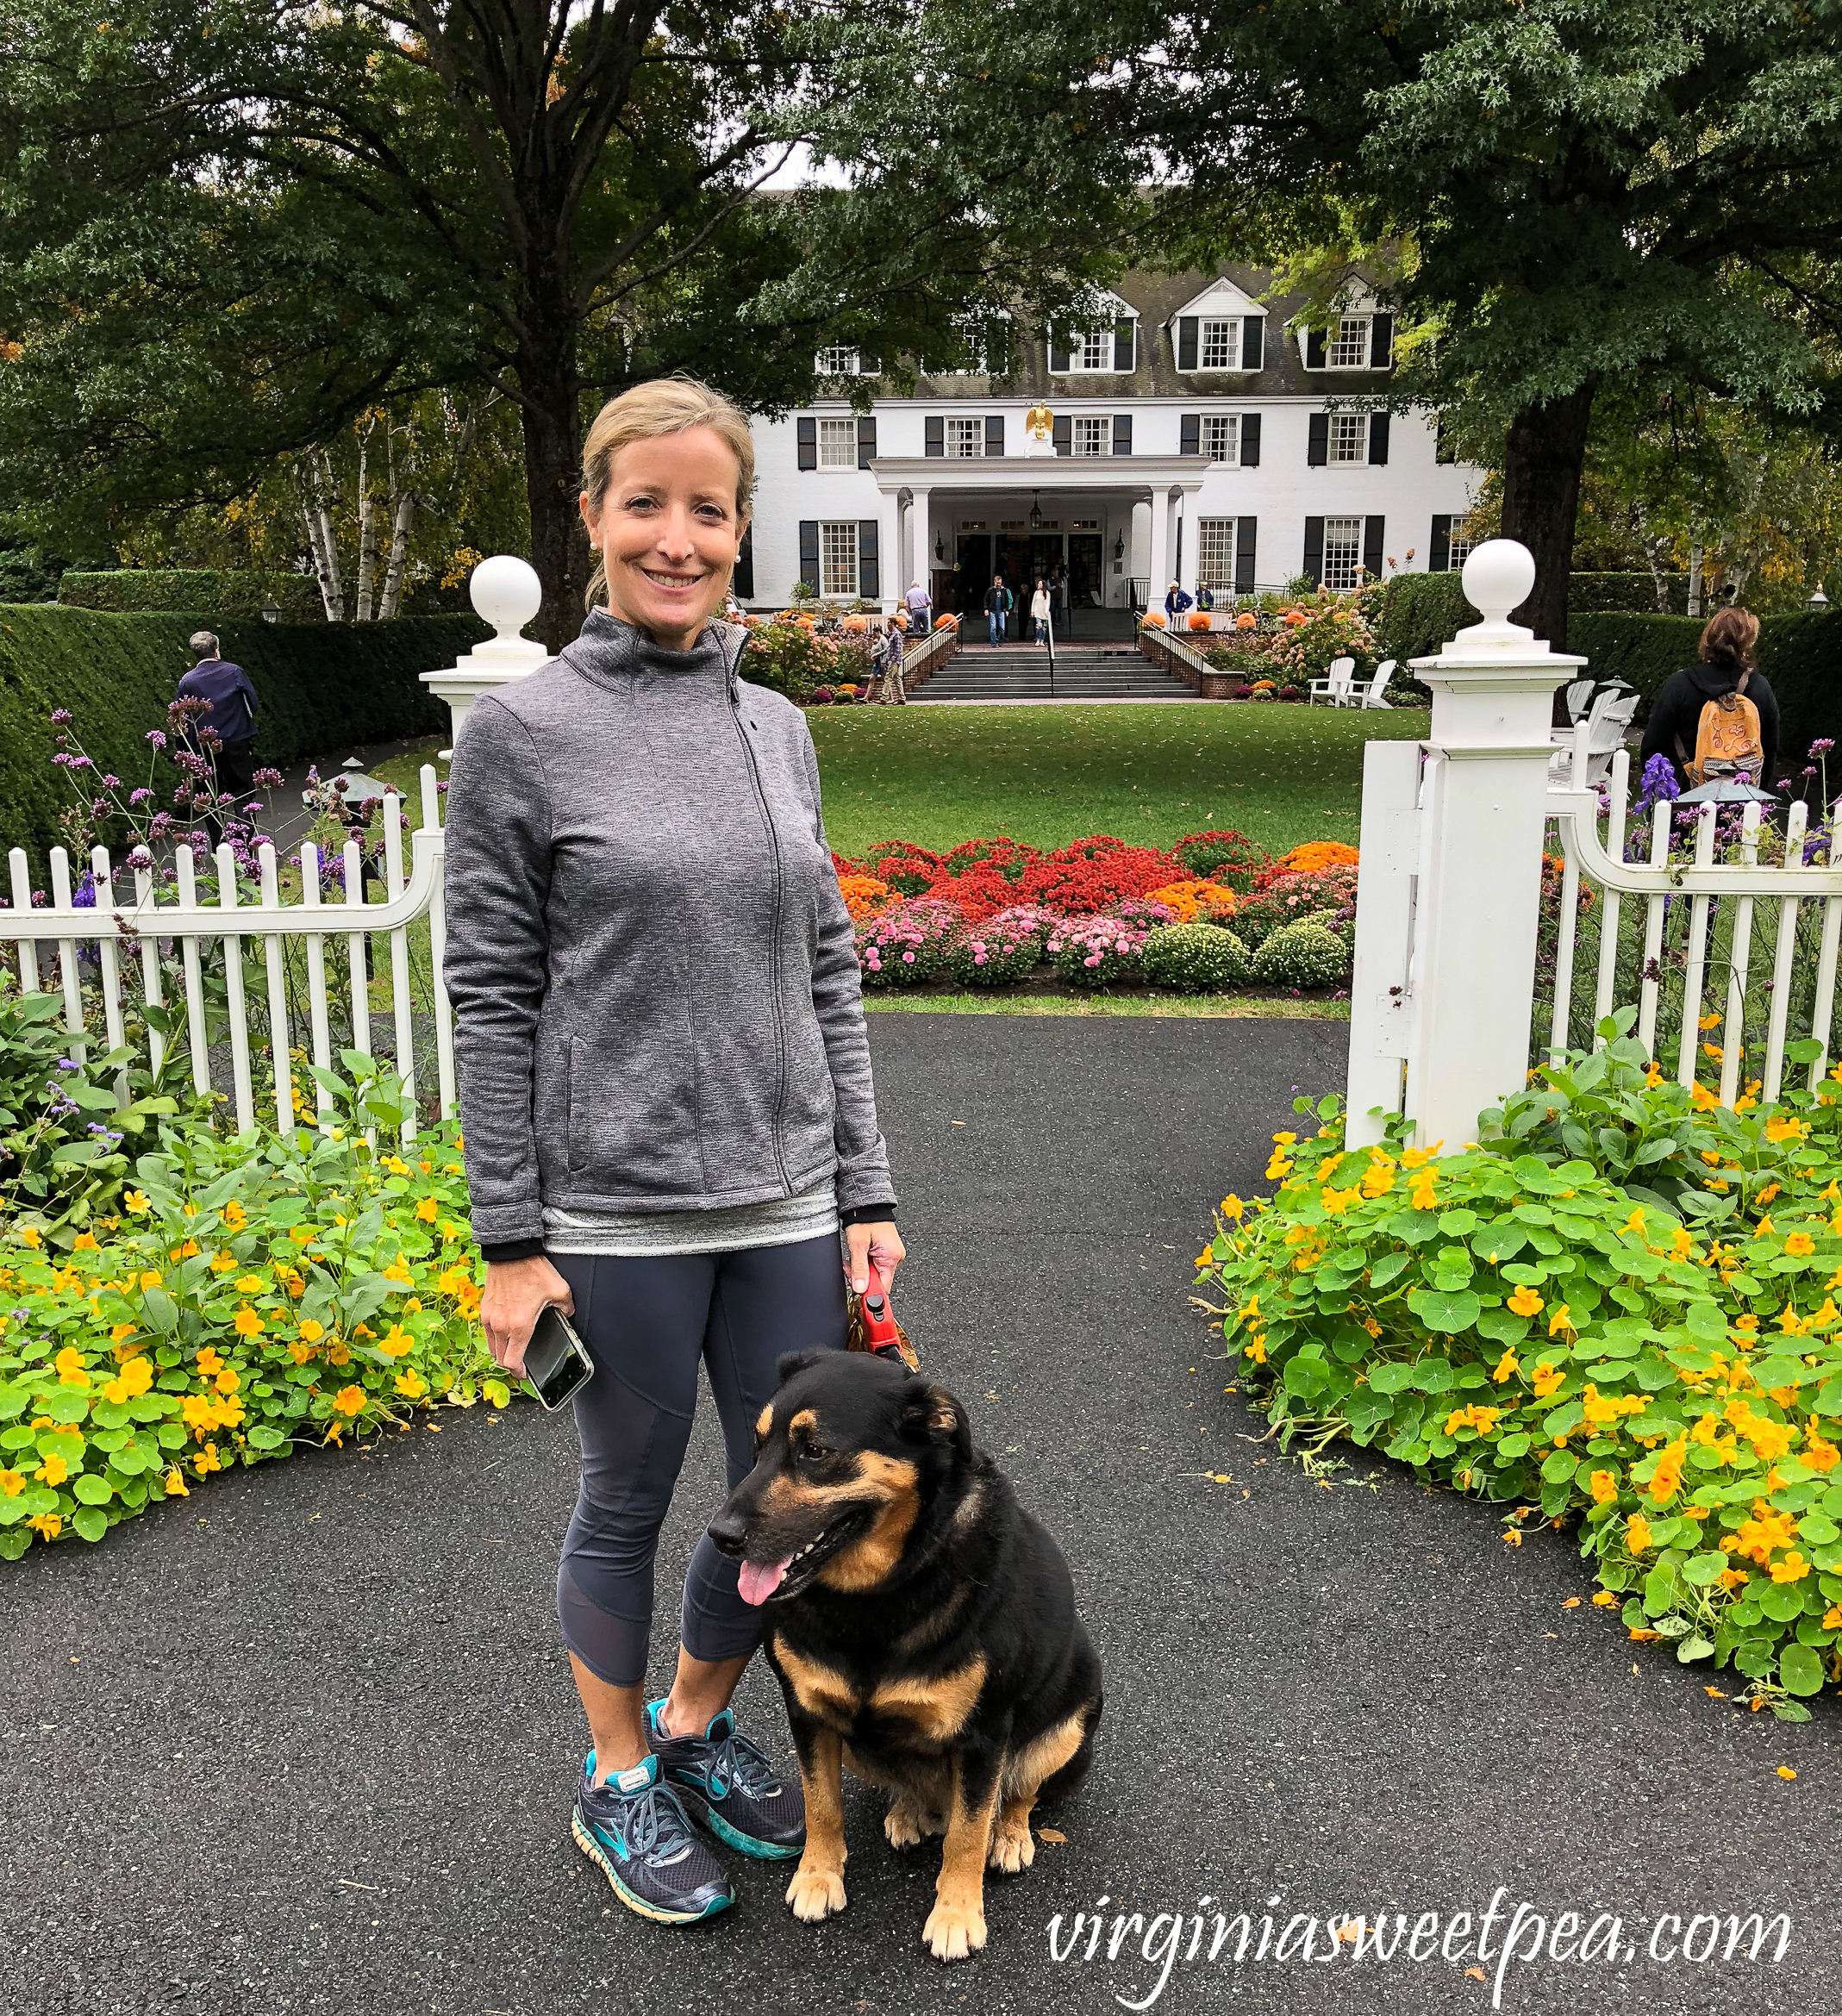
[1619,1307]
[251,1293]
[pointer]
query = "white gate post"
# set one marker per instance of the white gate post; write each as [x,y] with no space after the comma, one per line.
[505,592]
[1482,810]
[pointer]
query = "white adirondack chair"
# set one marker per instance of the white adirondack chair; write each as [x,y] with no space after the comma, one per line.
[1338,686]
[1606,725]
[1375,693]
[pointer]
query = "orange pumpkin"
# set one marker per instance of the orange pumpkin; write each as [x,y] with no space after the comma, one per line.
[1246,620]
[1153,620]
[1199,620]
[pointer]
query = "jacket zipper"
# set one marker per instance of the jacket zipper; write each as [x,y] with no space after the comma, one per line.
[773,842]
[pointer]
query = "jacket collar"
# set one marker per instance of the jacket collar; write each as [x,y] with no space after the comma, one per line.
[608,645]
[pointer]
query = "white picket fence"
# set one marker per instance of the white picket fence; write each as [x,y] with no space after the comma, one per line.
[164,937]
[1449,923]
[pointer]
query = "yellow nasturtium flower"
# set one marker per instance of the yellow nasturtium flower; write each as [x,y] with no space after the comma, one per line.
[1637,1533]
[349,1400]
[1525,1302]
[1800,1245]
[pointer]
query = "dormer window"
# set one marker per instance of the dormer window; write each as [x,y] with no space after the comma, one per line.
[1114,348]
[1219,348]
[1348,348]
[838,360]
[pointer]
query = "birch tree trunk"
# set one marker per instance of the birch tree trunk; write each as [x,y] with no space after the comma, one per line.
[367,525]
[402,521]
[1695,576]
[314,489]
[1656,545]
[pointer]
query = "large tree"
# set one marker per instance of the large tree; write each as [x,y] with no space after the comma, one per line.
[1559,196]
[233,228]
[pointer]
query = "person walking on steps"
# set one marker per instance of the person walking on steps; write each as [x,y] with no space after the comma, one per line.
[1040,612]
[996,599]
[667,1103]
[1718,718]
[920,607]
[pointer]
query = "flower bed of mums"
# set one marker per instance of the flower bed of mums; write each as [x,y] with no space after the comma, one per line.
[248,1295]
[1098,913]
[1619,1309]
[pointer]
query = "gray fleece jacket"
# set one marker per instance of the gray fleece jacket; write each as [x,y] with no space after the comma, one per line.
[651,969]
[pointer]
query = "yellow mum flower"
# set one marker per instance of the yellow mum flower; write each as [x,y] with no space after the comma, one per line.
[1525,1302]
[247,1322]
[1800,1245]
[349,1400]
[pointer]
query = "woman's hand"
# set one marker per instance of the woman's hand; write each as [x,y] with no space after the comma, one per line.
[879,1242]
[517,1292]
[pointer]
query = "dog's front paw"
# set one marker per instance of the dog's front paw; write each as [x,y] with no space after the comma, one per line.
[1013,1846]
[815,1893]
[902,1823]
[954,1930]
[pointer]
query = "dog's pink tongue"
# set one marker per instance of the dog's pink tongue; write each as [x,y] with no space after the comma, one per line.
[760,1579]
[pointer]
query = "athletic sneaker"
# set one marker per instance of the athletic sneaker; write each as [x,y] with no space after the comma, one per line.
[731,1787]
[633,1826]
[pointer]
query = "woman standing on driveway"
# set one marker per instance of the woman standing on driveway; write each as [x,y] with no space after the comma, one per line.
[665,1098]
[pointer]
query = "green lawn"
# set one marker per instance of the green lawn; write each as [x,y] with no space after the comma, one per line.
[1048,775]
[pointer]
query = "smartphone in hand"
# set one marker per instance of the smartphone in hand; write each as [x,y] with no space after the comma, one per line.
[556,1364]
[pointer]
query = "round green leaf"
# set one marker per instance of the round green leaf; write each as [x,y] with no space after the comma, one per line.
[1801,1669]
[1818,1530]
[92,1490]
[1392,1377]
[1703,1569]
[1442,1311]
[90,1522]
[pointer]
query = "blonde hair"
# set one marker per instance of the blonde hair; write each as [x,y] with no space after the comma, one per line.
[661,406]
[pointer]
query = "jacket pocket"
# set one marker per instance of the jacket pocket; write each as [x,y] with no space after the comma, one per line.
[633,1116]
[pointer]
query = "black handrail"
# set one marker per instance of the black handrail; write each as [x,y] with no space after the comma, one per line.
[1049,628]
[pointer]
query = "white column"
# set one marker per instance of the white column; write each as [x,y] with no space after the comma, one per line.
[1158,575]
[889,537]
[920,538]
[1187,562]
[1482,810]
[505,592]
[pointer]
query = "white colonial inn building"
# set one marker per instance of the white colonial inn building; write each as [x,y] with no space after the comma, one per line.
[1200,436]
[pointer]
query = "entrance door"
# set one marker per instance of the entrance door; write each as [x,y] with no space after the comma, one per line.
[1086,578]
[1045,564]
[1013,563]
[973,577]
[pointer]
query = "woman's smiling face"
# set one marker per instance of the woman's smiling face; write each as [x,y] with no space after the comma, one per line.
[669,531]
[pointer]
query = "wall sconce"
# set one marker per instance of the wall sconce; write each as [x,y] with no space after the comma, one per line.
[1035,513]
[1118,546]
[939,550]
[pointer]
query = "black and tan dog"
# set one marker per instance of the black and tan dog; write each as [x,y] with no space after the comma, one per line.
[921,1624]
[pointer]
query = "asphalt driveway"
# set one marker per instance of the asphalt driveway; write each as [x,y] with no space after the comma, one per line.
[305,1741]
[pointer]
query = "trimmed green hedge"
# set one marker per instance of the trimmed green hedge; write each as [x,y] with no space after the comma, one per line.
[213,595]
[1801,655]
[1591,595]
[322,688]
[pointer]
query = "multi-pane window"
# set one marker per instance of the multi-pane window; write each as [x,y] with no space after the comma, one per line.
[1095,352]
[838,444]
[1221,437]
[963,436]
[1221,348]
[1342,552]
[838,558]
[838,361]
[1091,432]
[1215,552]
[1348,349]
[1349,437]
[1461,541]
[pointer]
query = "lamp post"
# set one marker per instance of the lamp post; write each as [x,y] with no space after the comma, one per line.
[1818,602]
[271,609]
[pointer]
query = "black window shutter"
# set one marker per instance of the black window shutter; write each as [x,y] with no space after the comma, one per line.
[1189,434]
[1058,354]
[1372,529]
[1314,550]
[1253,336]
[1122,433]
[1065,434]
[1317,449]
[810,553]
[1382,342]
[1186,341]
[1443,450]
[869,573]
[1124,345]
[1313,349]
[866,439]
[1245,530]
[742,581]
[935,429]
[994,434]
[808,440]
[1377,437]
[1250,441]
[1438,560]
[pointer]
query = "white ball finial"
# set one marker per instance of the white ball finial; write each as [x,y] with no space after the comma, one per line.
[507,592]
[1498,576]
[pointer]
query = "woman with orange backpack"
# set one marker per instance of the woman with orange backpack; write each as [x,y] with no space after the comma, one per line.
[1718,718]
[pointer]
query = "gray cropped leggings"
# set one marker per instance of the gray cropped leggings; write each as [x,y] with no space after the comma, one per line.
[647,1322]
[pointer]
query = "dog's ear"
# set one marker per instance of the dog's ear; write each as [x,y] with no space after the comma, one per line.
[792,1363]
[930,1413]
